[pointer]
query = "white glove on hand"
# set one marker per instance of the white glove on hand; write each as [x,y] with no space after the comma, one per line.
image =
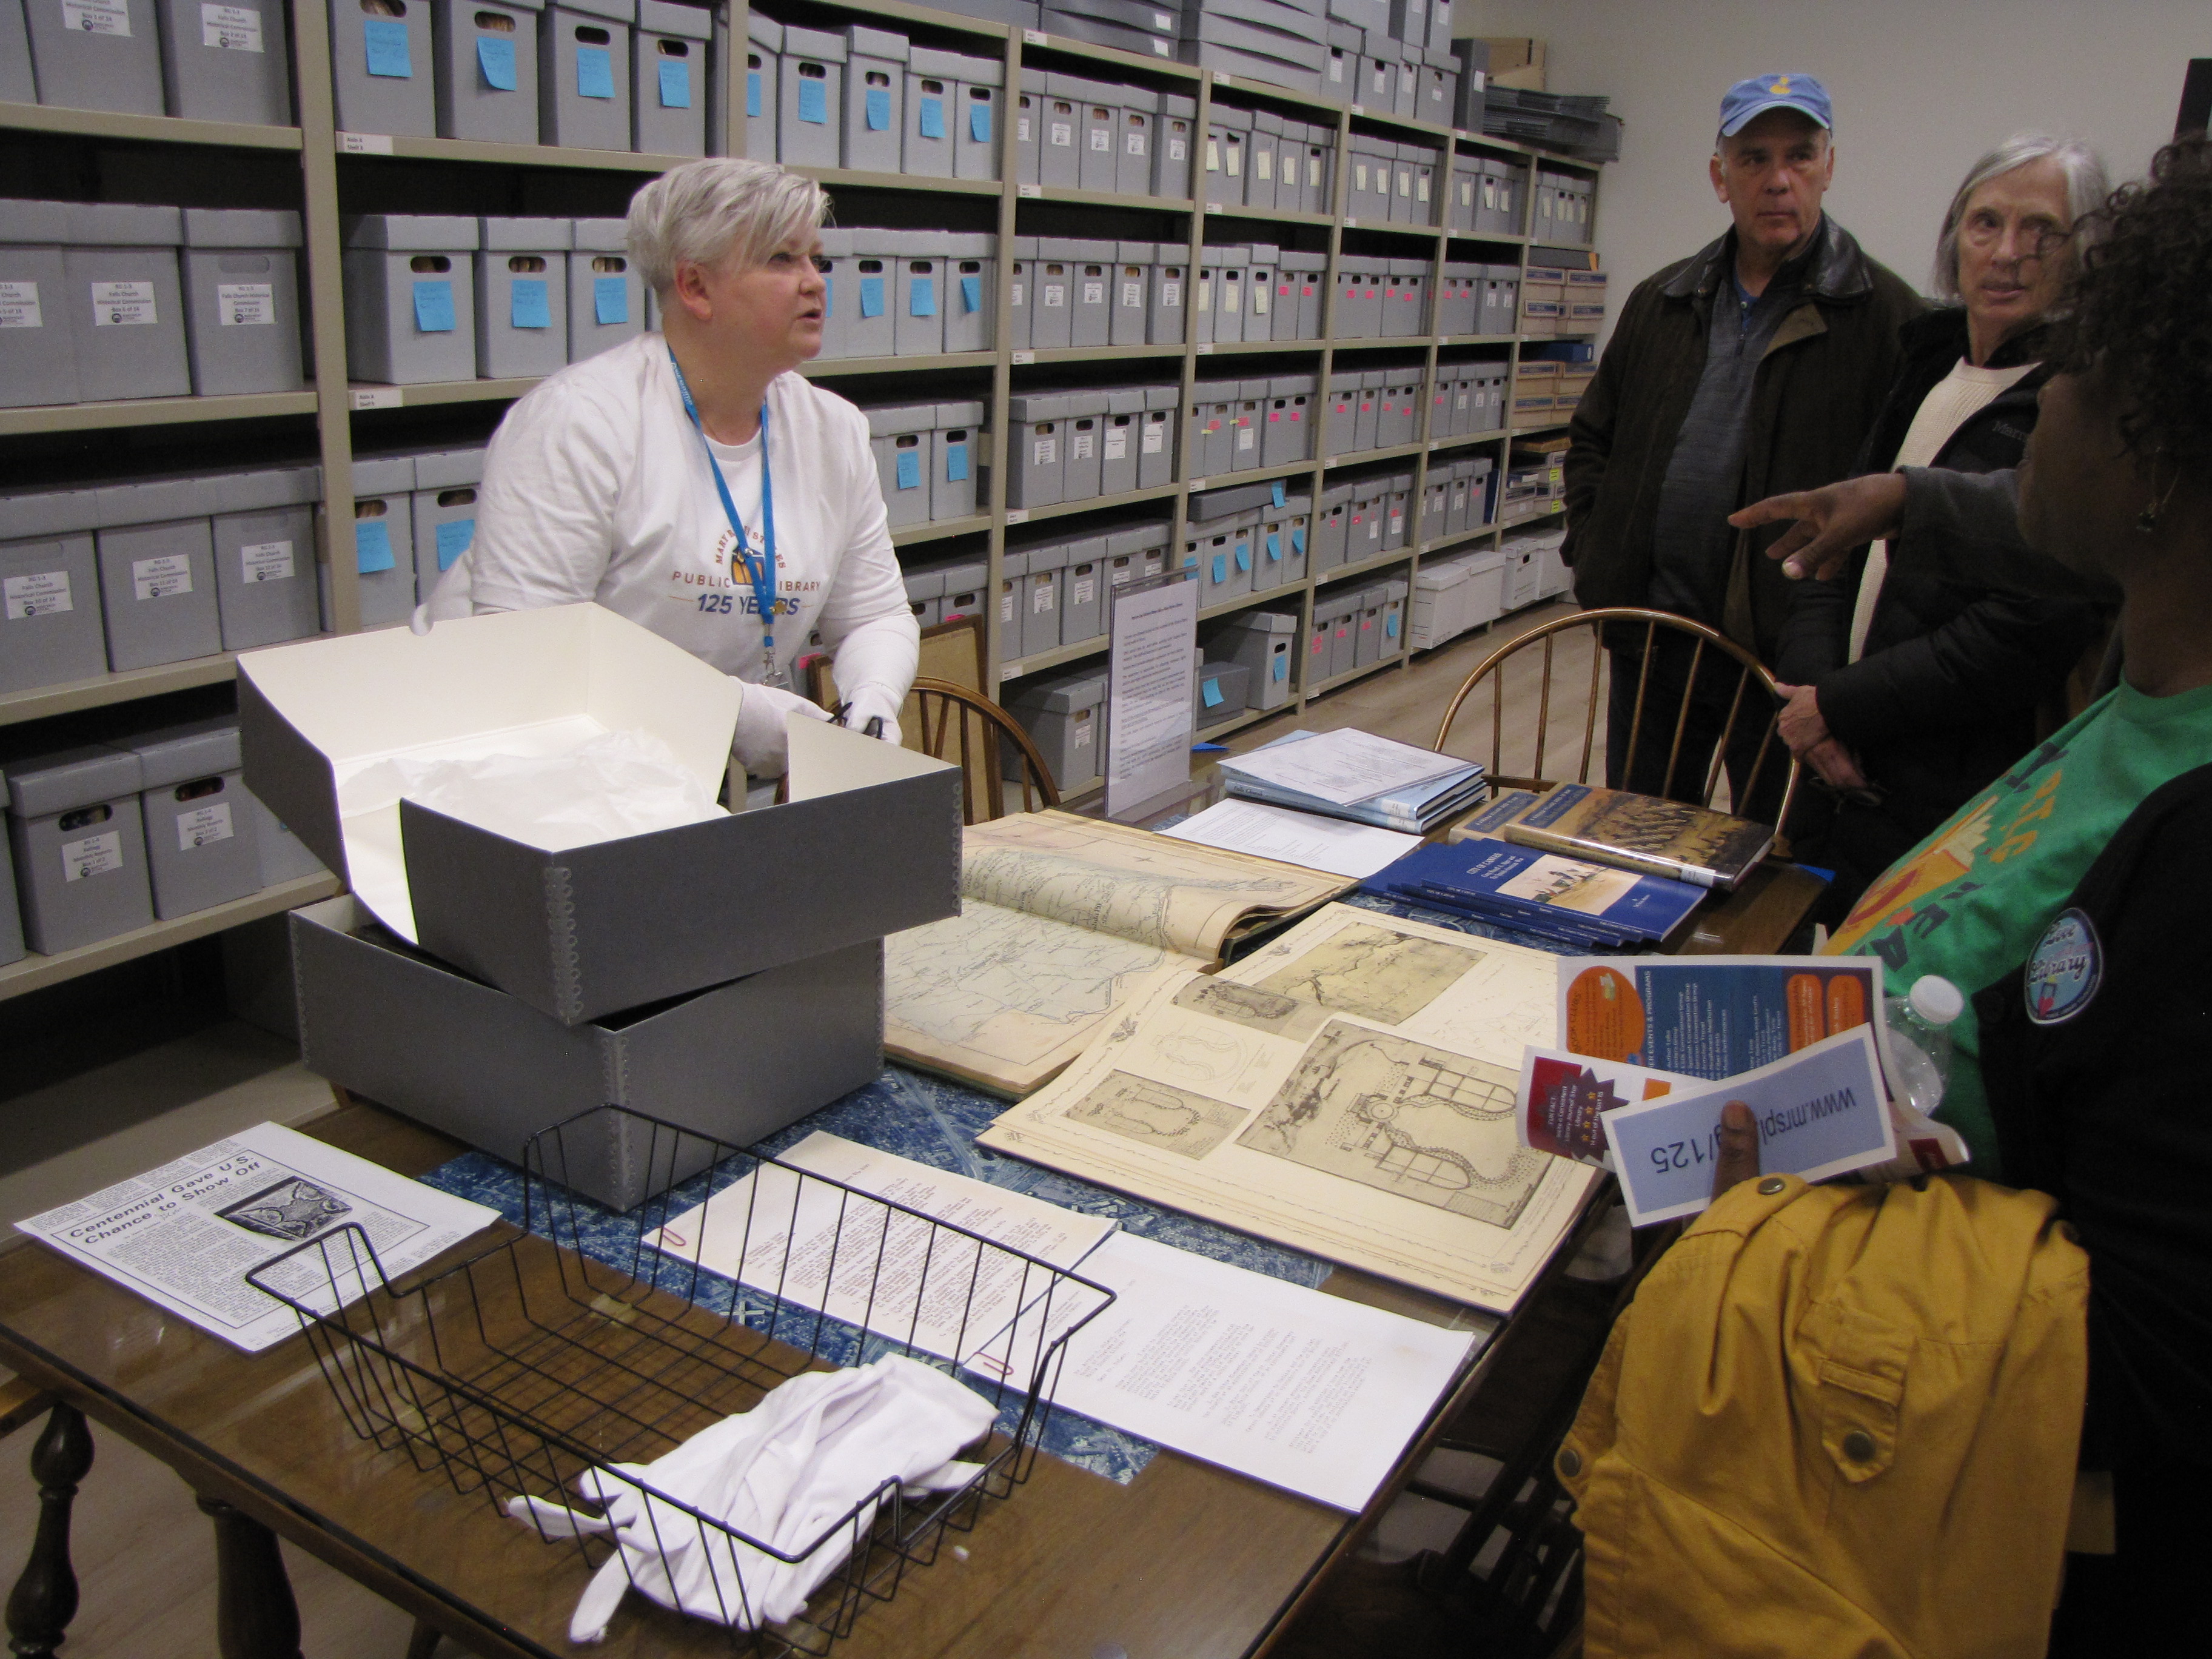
[760,744]
[870,703]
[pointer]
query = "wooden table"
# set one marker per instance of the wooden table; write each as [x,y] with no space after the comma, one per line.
[1186,1562]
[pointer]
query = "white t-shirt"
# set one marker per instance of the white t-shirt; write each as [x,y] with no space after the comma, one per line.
[596,487]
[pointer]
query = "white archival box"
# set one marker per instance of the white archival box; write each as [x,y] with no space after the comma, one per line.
[868,844]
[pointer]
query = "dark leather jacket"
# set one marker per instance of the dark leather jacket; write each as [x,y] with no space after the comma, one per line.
[1818,389]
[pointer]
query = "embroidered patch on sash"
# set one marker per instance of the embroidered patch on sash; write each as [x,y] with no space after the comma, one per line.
[2064,968]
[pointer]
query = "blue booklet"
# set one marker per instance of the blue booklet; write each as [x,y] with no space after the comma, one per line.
[1561,897]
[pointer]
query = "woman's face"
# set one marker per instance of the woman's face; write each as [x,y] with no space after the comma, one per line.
[2079,489]
[2013,254]
[772,310]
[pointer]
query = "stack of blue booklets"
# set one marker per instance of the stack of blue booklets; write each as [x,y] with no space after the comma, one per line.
[1356,775]
[1540,893]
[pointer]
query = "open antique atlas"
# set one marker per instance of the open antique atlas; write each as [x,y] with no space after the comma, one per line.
[1063,920]
[1348,1090]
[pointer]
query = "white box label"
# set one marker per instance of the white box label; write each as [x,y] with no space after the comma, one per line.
[123,305]
[1094,293]
[204,826]
[1040,597]
[1170,296]
[19,305]
[1083,446]
[234,29]
[96,17]
[245,304]
[1102,139]
[1156,439]
[1118,443]
[1086,590]
[42,593]
[1019,301]
[1178,150]
[162,578]
[1245,435]
[96,856]
[1045,451]
[1136,144]
[265,562]
[1055,296]
[1133,293]
[1063,134]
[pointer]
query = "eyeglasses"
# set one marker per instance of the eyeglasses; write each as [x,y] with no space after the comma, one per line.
[2037,241]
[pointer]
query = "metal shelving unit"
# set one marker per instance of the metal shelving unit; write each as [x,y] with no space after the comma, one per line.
[332,403]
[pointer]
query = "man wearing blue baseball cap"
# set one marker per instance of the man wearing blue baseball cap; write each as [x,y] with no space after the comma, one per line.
[1763,357]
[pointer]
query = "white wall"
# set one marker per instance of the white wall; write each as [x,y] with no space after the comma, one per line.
[1921,89]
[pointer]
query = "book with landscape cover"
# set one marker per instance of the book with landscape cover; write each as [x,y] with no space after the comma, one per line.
[1063,920]
[1658,837]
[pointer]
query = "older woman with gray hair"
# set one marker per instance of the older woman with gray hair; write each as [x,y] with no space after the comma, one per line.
[691,480]
[1908,693]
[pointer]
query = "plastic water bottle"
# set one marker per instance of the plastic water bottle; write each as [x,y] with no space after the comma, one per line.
[1920,1038]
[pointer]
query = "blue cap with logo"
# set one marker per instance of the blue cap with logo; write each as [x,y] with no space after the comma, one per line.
[1747,100]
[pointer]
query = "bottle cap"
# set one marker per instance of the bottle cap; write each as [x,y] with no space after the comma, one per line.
[1935,999]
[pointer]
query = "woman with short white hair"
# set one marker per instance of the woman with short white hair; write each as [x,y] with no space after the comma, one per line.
[1908,694]
[691,480]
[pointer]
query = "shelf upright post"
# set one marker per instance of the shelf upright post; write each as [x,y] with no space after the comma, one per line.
[319,171]
[1002,360]
[1179,520]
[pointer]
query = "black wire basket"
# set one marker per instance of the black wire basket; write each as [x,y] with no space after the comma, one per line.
[530,1371]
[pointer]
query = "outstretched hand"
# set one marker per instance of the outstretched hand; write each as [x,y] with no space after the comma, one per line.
[1829,522]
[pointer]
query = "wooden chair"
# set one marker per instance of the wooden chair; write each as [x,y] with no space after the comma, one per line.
[967,728]
[1553,687]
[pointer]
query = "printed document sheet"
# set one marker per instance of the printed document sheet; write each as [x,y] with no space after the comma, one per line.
[184,1235]
[1301,1389]
[1344,765]
[1335,845]
[892,1272]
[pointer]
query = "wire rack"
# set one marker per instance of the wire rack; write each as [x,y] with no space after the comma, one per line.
[592,1339]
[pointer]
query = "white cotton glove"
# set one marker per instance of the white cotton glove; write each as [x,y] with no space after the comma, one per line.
[871,703]
[760,744]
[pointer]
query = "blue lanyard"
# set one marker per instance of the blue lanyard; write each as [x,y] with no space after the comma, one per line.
[760,572]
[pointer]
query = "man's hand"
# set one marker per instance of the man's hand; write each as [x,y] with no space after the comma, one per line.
[1830,522]
[1739,1148]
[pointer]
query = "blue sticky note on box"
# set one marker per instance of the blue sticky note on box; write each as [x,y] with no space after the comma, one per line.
[529,304]
[878,102]
[595,72]
[1281,667]
[453,540]
[1274,547]
[922,300]
[1211,691]
[814,100]
[909,469]
[872,297]
[932,118]
[956,462]
[674,84]
[979,122]
[1390,626]
[611,300]
[971,294]
[495,60]
[372,546]
[1298,541]
[434,306]
[386,41]
[752,95]
[1221,567]
[1280,498]
[1243,555]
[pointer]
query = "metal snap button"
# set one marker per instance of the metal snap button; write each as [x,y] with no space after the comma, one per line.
[1571,1461]
[1771,1185]
[1859,1447]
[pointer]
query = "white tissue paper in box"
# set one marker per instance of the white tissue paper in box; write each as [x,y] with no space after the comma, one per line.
[612,785]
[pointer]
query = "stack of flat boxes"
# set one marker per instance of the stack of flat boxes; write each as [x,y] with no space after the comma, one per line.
[107,838]
[105,300]
[1454,594]
[932,459]
[1077,446]
[137,574]
[151,58]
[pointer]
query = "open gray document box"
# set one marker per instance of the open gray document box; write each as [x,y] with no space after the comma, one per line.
[734,1063]
[869,843]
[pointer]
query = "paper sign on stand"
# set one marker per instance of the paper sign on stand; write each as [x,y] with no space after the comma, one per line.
[868,844]
[1149,721]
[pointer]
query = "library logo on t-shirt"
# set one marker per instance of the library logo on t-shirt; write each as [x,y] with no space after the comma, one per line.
[2064,970]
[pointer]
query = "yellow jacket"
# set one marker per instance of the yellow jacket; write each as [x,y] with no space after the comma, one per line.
[1838,1421]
